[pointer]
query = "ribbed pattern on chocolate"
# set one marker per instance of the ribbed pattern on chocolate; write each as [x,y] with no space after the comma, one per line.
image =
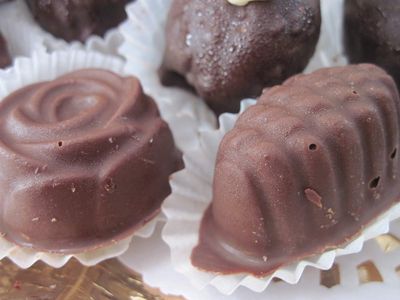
[296,175]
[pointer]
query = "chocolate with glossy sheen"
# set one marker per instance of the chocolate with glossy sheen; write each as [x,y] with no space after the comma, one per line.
[372,33]
[303,171]
[78,19]
[5,59]
[84,159]
[227,52]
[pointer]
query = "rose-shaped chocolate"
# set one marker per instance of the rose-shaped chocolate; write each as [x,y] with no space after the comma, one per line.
[5,59]
[84,159]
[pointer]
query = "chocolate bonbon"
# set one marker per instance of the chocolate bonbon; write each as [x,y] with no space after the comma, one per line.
[85,160]
[78,19]
[227,52]
[303,171]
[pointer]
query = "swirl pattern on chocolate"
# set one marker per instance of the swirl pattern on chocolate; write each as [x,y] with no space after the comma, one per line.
[84,159]
[303,171]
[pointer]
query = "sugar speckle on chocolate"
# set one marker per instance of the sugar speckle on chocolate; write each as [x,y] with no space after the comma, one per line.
[228,52]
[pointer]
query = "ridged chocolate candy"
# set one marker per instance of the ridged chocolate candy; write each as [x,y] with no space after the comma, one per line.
[372,33]
[227,52]
[78,19]
[84,159]
[303,171]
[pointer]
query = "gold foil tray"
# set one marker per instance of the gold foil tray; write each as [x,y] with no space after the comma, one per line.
[108,280]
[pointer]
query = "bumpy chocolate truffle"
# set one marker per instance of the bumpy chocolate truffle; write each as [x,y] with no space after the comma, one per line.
[227,52]
[5,59]
[84,159]
[303,171]
[78,19]
[372,33]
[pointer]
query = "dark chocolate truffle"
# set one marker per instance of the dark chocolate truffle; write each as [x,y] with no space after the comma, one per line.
[372,33]
[303,171]
[78,19]
[5,59]
[84,159]
[227,52]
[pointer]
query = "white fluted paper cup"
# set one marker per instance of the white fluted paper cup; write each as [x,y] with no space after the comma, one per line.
[330,48]
[44,67]
[107,44]
[192,194]
[143,49]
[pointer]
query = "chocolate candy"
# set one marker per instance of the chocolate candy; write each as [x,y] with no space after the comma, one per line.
[303,171]
[78,19]
[5,59]
[372,33]
[227,52]
[85,160]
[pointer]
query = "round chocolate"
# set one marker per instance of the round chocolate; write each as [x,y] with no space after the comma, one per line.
[5,59]
[84,159]
[227,52]
[372,33]
[303,171]
[78,19]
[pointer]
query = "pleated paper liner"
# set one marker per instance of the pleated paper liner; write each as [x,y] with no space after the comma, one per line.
[42,67]
[143,49]
[373,273]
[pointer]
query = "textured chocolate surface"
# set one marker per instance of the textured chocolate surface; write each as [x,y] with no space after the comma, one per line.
[303,171]
[227,53]
[78,19]
[372,33]
[84,159]
[5,59]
